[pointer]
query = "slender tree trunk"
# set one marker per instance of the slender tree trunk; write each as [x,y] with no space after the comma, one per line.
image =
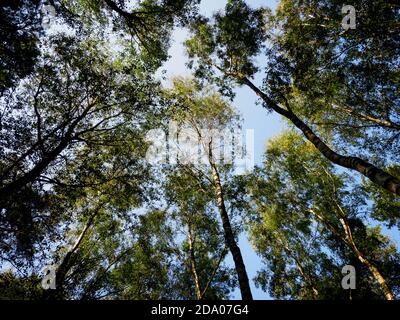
[378,277]
[211,277]
[376,175]
[229,236]
[364,260]
[68,260]
[308,280]
[349,241]
[382,122]
[193,267]
[240,267]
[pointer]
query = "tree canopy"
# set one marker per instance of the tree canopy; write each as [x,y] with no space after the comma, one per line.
[128,187]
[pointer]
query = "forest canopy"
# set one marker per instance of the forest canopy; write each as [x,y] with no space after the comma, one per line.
[92,209]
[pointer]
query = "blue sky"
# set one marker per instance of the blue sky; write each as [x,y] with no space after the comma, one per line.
[264,124]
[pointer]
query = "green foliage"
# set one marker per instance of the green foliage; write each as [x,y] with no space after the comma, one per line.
[346,82]
[144,26]
[18,288]
[298,201]
[344,85]
[195,218]
[76,189]
[229,42]
[80,106]
[386,207]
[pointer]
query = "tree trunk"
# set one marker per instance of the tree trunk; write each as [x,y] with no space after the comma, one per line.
[363,259]
[307,279]
[349,241]
[68,261]
[193,267]
[210,279]
[229,237]
[376,175]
